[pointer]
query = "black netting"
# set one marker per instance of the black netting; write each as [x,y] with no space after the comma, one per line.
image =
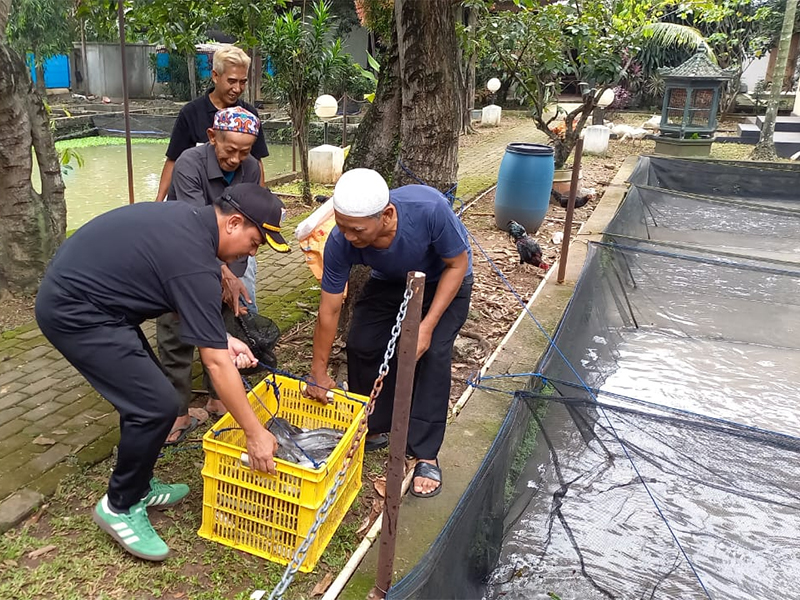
[667,461]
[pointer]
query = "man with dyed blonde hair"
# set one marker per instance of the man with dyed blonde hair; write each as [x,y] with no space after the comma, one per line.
[229,75]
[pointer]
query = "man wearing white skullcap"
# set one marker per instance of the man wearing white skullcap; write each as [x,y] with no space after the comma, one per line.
[412,228]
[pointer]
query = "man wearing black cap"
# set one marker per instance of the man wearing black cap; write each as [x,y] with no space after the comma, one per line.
[135,263]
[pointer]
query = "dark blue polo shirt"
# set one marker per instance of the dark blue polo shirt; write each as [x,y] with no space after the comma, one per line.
[427,231]
[143,260]
[193,122]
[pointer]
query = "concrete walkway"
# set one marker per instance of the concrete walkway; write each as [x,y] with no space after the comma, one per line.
[52,422]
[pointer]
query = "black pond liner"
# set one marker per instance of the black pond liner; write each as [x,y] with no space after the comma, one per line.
[667,462]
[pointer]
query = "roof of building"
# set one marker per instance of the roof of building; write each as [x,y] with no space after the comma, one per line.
[699,66]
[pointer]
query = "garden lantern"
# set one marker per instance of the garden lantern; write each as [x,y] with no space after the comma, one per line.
[490,115]
[326,107]
[691,97]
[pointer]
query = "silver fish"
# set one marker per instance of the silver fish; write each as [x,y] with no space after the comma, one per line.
[300,446]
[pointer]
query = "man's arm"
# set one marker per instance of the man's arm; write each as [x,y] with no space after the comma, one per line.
[165,181]
[263,175]
[330,306]
[261,444]
[187,183]
[449,283]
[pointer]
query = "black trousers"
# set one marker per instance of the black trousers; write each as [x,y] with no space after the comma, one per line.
[116,359]
[370,330]
[176,358]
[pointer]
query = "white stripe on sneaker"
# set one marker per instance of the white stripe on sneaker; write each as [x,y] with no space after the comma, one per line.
[125,532]
[117,526]
[131,540]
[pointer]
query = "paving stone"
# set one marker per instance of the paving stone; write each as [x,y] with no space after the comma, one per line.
[19,459]
[71,382]
[9,388]
[47,483]
[77,407]
[44,383]
[14,424]
[35,350]
[12,399]
[29,335]
[49,457]
[10,376]
[74,394]
[45,425]
[40,398]
[17,507]
[86,436]
[31,378]
[41,411]
[38,365]
[12,444]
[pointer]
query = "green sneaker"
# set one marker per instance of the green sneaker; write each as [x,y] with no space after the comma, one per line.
[131,530]
[162,495]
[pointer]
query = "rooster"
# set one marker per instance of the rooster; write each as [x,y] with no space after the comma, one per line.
[529,250]
[581,200]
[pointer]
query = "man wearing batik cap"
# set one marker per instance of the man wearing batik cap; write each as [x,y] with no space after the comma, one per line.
[412,228]
[200,176]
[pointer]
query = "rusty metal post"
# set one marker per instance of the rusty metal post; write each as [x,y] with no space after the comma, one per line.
[395,471]
[344,120]
[125,106]
[573,192]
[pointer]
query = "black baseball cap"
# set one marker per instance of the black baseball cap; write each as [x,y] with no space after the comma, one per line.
[260,206]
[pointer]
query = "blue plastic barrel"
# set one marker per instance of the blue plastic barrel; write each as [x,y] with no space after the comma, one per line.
[523,185]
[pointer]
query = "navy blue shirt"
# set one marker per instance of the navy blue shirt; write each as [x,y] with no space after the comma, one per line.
[143,260]
[427,232]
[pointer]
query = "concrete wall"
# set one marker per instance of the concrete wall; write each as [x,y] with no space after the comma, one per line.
[104,70]
[356,44]
[754,72]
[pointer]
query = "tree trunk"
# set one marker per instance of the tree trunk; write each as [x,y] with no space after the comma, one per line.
[299,115]
[41,87]
[765,149]
[378,135]
[427,47]
[467,63]
[32,225]
[190,65]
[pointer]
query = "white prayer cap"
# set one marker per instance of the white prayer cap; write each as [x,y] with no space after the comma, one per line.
[360,193]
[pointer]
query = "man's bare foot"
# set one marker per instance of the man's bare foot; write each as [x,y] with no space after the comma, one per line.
[425,486]
[185,424]
[215,407]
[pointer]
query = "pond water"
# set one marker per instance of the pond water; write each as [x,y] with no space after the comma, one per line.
[102,183]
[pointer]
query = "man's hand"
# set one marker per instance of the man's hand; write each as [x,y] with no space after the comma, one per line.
[261,449]
[232,289]
[318,386]
[240,353]
[424,339]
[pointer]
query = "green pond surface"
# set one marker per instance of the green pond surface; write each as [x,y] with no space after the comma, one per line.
[102,182]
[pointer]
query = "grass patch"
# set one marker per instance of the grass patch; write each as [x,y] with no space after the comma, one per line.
[104,140]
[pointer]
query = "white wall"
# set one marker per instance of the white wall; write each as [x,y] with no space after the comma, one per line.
[104,67]
[754,72]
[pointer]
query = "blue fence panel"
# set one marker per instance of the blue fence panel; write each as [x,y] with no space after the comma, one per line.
[56,70]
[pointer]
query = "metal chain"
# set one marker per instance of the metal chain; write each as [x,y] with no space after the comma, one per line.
[300,554]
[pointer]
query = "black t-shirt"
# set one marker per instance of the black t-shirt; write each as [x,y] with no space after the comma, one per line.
[194,120]
[143,260]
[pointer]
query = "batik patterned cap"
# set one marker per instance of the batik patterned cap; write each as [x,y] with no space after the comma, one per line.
[235,118]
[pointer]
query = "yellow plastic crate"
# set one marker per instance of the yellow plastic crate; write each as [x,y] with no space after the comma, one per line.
[270,515]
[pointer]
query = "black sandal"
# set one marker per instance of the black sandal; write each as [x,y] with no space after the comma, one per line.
[379,442]
[428,471]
